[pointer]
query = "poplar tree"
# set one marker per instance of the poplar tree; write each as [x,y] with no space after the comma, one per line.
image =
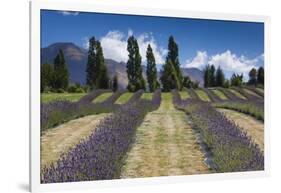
[171,77]
[134,68]
[61,76]
[151,70]
[212,76]
[260,77]
[96,71]
[220,79]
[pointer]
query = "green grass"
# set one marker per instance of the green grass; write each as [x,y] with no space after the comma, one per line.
[251,92]
[260,89]
[124,98]
[102,97]
[49,97]
[202,95]
[147,96]
[237,94]
[184,95]
[220,94]
[246,108]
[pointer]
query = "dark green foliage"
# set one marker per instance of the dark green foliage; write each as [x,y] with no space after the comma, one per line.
[187,83]
[61,76]
[260,76]
[219,77]
[97,76]
[75,88]
[134,69]
[151,70]
[236,80]
[115,83]
[207,76]
[47,75]
[212,76]
[226,84]
[171,77]
[252,77]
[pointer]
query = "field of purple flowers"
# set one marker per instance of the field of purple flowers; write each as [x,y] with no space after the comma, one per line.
[100,156]
[231,149]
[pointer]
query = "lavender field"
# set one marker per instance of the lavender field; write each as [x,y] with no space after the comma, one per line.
[149,134]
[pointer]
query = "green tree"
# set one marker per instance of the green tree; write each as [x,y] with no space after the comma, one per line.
[96,71]
[207,76]
[91,70]
[102,80]
[212,76]
[187,83]
[47,75]
[252,77]
[151,70]
[115,83]
[61,76]
[220,79]
[134,68]
[171,77]
[260,77]
[236,79]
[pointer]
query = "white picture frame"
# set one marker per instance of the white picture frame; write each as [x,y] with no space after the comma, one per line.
[36,6]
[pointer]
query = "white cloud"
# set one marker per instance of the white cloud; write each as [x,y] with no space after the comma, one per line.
[201,59]
[114,45]
[67,13]
[227,60]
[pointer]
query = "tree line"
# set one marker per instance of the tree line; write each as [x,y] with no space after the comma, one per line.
[55,77]
[215,77]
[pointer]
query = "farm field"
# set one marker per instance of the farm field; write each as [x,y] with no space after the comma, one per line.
[166,142]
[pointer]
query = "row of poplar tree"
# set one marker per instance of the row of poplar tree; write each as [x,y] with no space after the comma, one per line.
[171,77]
[215,77]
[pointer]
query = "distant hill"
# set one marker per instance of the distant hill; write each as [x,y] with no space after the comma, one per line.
[76,59]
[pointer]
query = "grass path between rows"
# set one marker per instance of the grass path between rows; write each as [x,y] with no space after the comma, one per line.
[165,145]
[61,139]
[253,127]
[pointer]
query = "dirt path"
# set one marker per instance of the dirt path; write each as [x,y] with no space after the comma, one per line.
[253,127]
[165,145]
[60,139]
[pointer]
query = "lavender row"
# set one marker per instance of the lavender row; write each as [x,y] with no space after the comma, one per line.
[58,112]
[101,156]
[232,150]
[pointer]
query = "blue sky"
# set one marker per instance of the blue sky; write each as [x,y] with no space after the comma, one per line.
[235,46]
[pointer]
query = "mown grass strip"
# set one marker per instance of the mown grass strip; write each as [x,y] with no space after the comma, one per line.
[236,93]
[251,92]
[202,95]
[102,97]
[220,94]
[147,96]
[184,95]
[124,98]
[49,97]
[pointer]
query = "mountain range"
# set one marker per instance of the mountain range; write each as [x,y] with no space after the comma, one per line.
[76,59]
